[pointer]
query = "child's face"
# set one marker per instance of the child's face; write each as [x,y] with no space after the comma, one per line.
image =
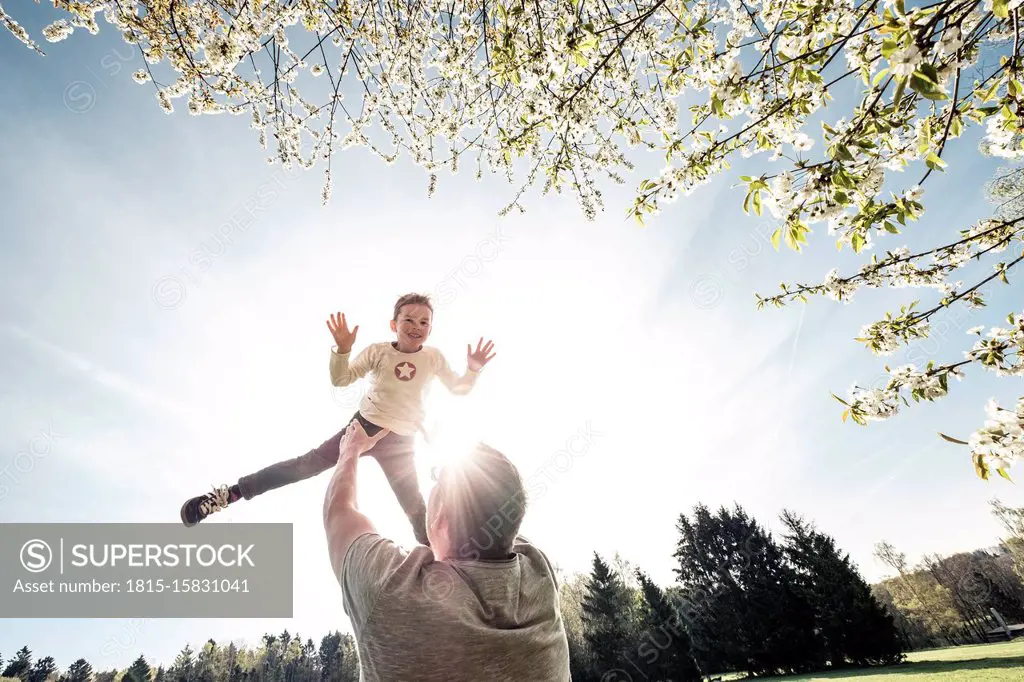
[412,325]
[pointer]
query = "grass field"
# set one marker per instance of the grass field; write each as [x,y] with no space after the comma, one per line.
[983,663]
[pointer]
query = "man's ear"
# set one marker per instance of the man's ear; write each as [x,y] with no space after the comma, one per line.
[394,327]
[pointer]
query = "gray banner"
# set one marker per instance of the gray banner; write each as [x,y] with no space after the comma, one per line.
[155,570]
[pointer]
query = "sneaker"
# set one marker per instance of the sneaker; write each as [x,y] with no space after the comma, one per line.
[198,508]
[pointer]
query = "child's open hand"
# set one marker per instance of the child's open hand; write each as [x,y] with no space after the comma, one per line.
[477,360]
[339,330]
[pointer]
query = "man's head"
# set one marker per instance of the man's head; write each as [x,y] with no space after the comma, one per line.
[476,507]
[412,321]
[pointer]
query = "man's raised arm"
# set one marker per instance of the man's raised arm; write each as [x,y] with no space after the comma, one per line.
[343,522]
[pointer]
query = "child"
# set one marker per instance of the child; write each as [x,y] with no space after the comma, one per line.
[401,372]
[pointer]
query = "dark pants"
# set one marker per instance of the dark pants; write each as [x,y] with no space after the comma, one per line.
[394,453]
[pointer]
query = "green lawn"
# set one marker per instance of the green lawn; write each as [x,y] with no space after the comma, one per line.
[983,663]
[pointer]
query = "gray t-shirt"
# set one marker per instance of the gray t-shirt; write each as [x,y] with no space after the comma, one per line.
[421,620]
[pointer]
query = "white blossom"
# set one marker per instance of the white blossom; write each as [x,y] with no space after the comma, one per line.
[905,61]
[802,142]
[1000,442]
[58,31]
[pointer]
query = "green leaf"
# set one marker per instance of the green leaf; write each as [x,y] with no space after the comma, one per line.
[857,242]
[956,126]
[757,202]
[901,84]
[846,413]
[934,94]
[843,153]
[879,76]
[953,440]
[926,136]
[1002,472]
[934,162]
[775,238]
[717,107]
[790,242]
[980,467]
[929,72]
[1001,8]
[990,93]
[840,400]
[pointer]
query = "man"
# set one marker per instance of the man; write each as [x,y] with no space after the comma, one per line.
[479,604]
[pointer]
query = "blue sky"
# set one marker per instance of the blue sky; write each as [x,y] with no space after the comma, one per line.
[166,357]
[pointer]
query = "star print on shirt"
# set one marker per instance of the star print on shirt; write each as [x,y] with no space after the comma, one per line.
[405,371]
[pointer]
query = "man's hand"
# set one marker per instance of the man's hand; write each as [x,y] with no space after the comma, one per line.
[477,360]
[356,441]
[339,330]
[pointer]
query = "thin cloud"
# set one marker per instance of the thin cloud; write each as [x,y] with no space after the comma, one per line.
[102,376]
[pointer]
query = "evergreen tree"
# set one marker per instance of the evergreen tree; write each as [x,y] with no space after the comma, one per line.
[80,671]
[19,665]
[708,600]
[310,669]
[349,659]
[106,676]
[605,628]
[665,650]
[571,593]
[271,663]
[232,669]
[854,627]
[204,669]
[745,611]
[160,675]
[184,662]
[330,658]
[42,670]
[138,671]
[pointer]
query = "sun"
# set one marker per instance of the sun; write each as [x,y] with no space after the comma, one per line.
[447,443]
[448,440]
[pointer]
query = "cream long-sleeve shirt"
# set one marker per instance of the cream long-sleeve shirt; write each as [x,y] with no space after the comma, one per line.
[399,382]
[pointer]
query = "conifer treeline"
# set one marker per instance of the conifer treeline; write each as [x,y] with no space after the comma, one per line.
[279,658]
